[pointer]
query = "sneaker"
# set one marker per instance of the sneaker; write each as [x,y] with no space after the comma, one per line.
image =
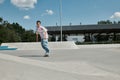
[46,55]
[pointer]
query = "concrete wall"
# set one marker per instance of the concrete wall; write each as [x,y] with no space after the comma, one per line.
[75,38]
[99,46]
[37,45]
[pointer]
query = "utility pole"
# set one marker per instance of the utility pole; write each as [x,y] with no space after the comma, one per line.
[61,18]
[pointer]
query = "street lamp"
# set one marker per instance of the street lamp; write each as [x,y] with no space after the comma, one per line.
[61,18]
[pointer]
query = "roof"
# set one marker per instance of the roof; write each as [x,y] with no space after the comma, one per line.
[85,28]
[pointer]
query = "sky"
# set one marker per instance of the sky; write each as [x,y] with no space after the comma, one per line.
[27,12]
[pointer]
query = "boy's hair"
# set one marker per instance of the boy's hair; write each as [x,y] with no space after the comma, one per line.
[38,21]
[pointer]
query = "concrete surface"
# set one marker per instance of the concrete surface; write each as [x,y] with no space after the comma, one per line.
[63,64]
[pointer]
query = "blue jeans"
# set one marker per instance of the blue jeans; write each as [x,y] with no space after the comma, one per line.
[44,43]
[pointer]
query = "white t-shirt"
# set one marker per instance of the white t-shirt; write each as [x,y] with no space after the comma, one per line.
[42,30]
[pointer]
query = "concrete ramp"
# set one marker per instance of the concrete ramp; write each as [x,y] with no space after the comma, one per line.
[37,45]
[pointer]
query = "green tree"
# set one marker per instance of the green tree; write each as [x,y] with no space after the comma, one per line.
[11,36]
[2,34]
[105,22]
[118,22]
[1,20]
[15,33]
[114,22]
[29,36]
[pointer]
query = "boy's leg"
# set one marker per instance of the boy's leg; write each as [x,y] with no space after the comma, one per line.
[44,44]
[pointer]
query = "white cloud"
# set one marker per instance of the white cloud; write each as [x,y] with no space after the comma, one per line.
[116,15]
[48,12]
[26,17]
[1,1]
[24,4]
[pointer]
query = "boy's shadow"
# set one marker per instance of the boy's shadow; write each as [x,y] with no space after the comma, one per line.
[31,56]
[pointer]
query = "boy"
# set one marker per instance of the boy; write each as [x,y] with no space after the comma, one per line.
[44,37]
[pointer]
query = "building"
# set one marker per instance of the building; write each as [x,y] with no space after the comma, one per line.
[81,33]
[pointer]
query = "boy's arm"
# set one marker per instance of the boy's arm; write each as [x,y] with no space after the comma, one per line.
[45,32]
[36,37]
[45,35]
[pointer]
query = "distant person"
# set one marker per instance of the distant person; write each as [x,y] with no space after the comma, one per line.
[42,31]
